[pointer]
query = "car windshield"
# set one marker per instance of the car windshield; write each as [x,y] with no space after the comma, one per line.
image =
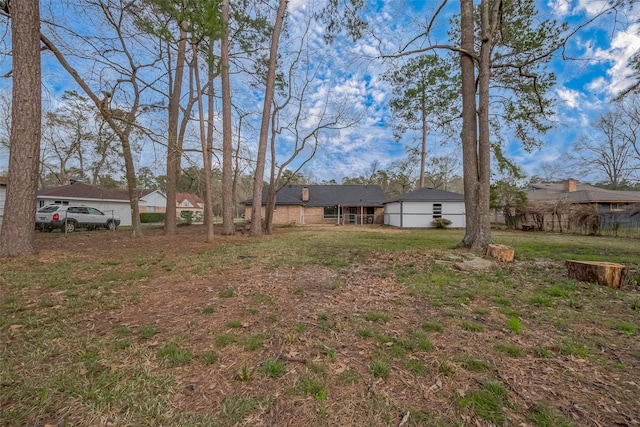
[48,209]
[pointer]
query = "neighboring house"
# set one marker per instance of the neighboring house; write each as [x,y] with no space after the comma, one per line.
[420,207]
[187,202]
[554,205]
[109,201]
[3,195]
[325,204]
[572,192]
[153,202]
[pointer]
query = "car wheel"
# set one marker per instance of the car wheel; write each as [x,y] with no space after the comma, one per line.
[69,226]
[111,225]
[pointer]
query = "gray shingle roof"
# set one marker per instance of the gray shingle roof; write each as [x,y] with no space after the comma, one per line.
[328,195]
[428,194]
[583,194]
[86,191]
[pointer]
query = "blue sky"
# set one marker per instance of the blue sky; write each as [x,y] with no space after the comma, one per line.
[584,85]
[348,75]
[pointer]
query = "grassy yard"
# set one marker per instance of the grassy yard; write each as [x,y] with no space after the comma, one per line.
[317,326]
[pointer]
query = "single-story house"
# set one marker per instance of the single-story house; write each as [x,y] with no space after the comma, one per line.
[187,202]
[572,192]
[420,207]
[3,195]
[552,206]
[109,201]
[325,204]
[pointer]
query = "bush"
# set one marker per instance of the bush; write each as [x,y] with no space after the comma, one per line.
[441,223]
[149,217]
[187,216]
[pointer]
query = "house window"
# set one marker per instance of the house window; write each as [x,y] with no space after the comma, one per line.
[185,203]
[151,209]
[617,207]
[330,212]
[437,210]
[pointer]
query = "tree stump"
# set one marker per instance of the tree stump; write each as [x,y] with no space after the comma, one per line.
[605,273]
[501,252]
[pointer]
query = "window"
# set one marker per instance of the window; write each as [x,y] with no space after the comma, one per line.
[437,210]
[94,211]
[330,212]
[185,203]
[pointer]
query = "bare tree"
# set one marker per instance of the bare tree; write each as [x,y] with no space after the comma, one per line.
[227,141]
[174,145]
[17,233]
[76,143]
[120,57]
[605,153]
[256,211]
[629,108]
[295,119]
[441,172]
[206,153]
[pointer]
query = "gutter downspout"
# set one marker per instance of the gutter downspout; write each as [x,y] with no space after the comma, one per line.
[401,214]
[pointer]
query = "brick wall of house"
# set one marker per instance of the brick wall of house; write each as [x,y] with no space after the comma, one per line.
[285,215]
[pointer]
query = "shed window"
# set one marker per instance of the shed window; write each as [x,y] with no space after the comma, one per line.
[437,210]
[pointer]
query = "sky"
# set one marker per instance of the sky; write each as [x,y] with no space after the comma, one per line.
[584,85]
[347,79]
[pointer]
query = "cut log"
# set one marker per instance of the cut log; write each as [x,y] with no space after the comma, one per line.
[501,252]
[605,273]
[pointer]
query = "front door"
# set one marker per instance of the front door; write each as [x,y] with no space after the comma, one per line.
[353,215]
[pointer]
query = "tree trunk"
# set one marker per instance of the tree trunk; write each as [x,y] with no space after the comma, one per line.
[269,209]
[423,151]
[228,227]
[256,216]
[16,236]
[605,273]
[174,153]
[206,154]
[210,118]
[270,204]
[469,124]
[502,253]
[477,156]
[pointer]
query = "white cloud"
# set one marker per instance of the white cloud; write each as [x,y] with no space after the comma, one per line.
[560,7]
[623,46]
[592,7]
[570,97]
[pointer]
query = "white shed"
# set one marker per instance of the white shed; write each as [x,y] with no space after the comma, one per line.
[418,208]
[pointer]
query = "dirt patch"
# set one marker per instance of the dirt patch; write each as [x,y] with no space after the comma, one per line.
[320,321]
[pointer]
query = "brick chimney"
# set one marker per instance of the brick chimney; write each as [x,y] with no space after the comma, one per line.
[305,194]
[570,185]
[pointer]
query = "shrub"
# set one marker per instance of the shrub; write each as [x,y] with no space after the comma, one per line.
[187,217]
[441,223]
[150,217]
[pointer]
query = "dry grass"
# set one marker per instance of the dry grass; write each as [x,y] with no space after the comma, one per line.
[317,326]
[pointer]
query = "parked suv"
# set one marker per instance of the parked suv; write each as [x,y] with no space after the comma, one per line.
[69,217]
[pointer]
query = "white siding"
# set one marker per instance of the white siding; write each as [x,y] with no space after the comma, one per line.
[117,209]
[156,199]
[420,214]
[392,214]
